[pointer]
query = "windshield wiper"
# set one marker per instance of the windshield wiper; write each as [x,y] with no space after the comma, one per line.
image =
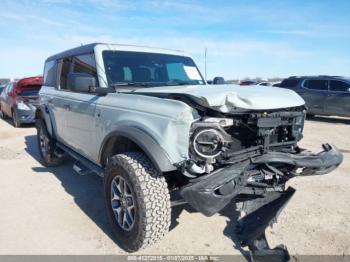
[118,84]
[178,83]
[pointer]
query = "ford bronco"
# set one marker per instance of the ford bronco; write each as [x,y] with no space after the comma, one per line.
[145,120]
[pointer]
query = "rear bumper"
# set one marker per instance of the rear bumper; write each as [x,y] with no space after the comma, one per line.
[211,193]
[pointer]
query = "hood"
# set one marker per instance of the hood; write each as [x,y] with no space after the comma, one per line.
[230,98]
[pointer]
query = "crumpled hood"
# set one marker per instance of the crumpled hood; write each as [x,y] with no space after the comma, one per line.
[229,98]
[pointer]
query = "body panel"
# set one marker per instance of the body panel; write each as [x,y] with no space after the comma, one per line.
[229,98]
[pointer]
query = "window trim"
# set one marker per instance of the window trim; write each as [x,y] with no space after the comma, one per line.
[71,67]
[317,90]
[55,65]
[329,86]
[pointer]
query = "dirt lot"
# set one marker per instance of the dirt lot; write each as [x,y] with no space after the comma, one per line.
[54,211]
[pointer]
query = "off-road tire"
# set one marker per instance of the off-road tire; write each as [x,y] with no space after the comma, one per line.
[48,158]
[15,120]
[151,196]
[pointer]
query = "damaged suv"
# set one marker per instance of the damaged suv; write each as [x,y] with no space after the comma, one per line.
[145,120]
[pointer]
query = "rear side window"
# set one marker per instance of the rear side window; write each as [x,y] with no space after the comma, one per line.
[64,71]
[321,85]
[339,86]
[85,64]
[290,83]
[50,73]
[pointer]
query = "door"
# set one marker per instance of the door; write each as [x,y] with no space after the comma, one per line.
[338,99]
[3,98]
[9,100]
[314,92]
[80,108]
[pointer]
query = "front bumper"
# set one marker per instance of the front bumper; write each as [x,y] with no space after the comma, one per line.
[211,193]
[26,116]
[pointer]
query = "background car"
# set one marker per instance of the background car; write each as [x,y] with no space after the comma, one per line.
[247,83]
[324,95]
[2,87]
[19,100]
[264,84]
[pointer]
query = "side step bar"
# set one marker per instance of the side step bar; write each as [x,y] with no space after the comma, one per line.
[82,165]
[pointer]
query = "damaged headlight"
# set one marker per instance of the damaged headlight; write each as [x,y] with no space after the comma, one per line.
[207,143]
[209,137]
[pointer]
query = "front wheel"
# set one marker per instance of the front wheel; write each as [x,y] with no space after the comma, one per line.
[15,120]
[137,201]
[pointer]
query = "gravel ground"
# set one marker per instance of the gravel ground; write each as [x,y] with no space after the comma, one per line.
[54,211]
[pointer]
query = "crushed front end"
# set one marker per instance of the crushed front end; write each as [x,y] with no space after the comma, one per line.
[249,153]
[247,159]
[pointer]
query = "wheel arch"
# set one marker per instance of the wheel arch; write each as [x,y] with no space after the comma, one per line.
[42,113]
[133,139]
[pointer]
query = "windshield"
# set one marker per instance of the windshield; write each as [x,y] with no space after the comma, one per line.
[149,69]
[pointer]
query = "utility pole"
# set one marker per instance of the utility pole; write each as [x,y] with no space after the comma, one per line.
[205,64]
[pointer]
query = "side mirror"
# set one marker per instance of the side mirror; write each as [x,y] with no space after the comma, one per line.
[218,80]
[80,82]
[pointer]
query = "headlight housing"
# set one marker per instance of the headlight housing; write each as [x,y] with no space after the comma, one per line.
[22,106]
[207,143]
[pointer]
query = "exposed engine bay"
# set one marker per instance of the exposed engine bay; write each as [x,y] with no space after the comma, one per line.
[216,142]
[248,159]
[249,152]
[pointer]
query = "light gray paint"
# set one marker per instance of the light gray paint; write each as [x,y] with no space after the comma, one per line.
[229,98]
[91,118]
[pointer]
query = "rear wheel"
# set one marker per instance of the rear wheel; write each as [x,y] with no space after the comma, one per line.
[47,146]
[137,201]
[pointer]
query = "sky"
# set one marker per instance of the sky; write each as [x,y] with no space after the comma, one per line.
[256,38]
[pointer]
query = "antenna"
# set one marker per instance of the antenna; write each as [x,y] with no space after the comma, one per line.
[205,64]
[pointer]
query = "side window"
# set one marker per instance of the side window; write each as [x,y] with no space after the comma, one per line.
[290,83]
[127,73]
[339,86]
[64,66]
[321,85]
[50,73]
[85,64]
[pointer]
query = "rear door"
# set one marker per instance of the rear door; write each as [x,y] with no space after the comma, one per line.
[314,92]
[338,99]
[52,97]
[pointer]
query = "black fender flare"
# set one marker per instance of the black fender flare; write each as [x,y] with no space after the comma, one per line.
[42,112]
[146,142]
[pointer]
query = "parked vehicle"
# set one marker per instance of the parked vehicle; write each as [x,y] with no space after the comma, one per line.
[264,84]
[144,120]
[19,100]
[247,83]
[324,95]
[2,88]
